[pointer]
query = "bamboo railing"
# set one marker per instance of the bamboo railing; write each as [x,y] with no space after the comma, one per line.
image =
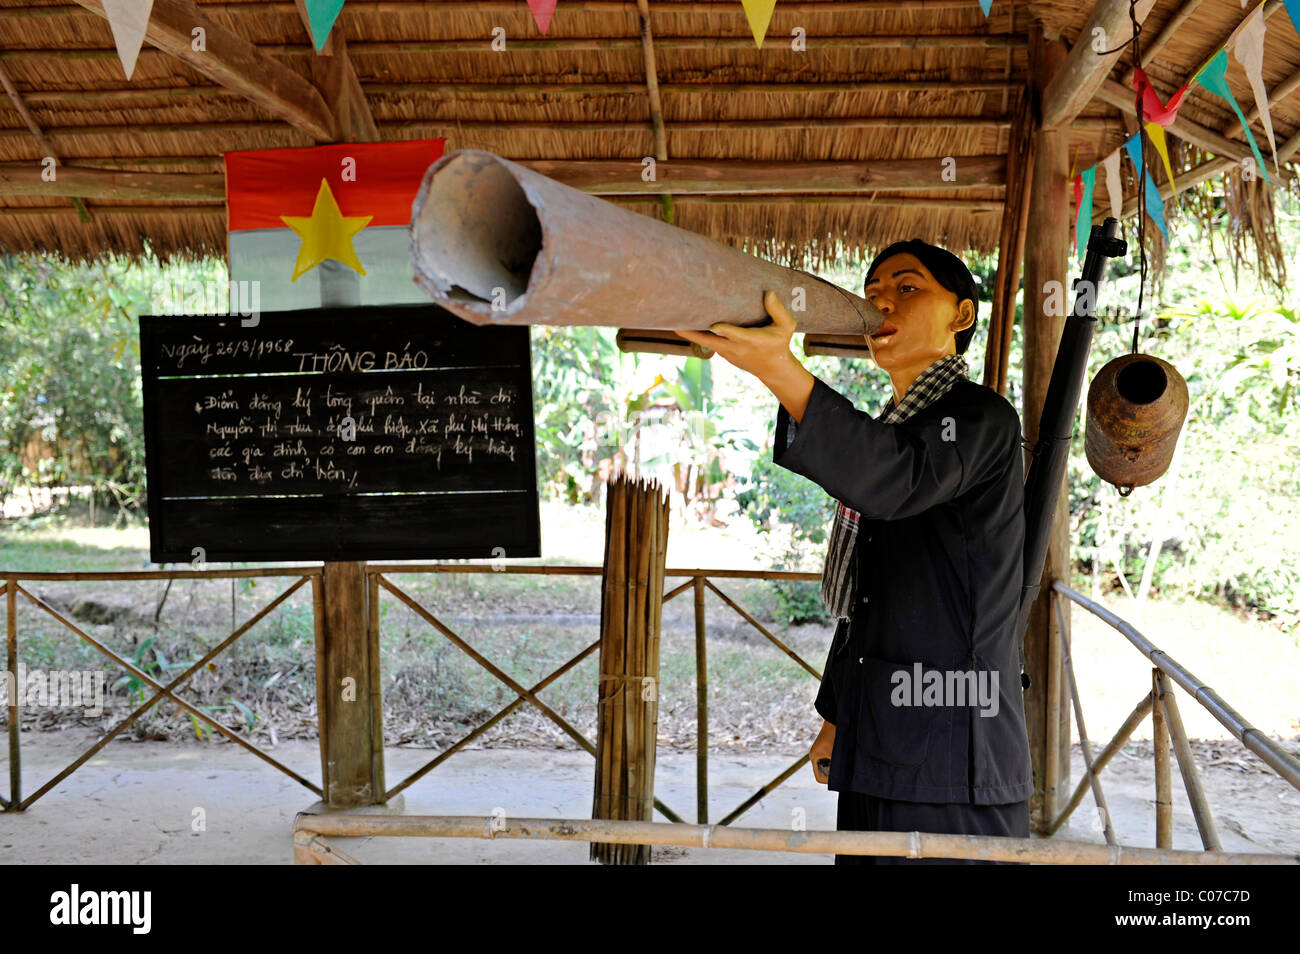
[312,847]
[1160,703]
[12,588]
[1167,732]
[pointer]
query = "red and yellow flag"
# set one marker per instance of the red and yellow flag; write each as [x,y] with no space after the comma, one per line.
[326,225]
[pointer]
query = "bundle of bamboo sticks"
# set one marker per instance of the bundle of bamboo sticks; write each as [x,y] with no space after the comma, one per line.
[636,546]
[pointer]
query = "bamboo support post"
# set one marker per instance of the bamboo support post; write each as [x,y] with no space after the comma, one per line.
[376,691]
[318,618]
[160,693]
[1187,765]
[701,708]
[764,630]
[1089,765]
[1046,262]
[483,727]
[527,695]
[11,654]
[1052,775]
[1134,719]
[1160,752]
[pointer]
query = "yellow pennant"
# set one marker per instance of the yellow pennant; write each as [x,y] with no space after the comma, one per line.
[759,15]
[1156,132]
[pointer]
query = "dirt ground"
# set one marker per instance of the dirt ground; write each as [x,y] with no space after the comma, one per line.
[140,802]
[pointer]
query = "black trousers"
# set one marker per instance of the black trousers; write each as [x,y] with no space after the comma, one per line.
[859,812]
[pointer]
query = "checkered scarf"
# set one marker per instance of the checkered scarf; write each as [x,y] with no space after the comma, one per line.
[839,577]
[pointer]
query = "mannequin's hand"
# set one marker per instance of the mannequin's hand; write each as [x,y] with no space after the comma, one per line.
[760,351]
[821,749]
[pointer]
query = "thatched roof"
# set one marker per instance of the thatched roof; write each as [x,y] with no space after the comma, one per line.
[580,93]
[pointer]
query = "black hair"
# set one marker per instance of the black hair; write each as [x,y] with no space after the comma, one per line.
[948,270]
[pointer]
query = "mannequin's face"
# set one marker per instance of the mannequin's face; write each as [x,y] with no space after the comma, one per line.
[921,317]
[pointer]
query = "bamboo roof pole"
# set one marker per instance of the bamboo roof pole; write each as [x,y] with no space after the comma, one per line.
[656,105]
[594,176]
[24,178]
[1216,142]
[46,147]
[1152,47]
[924,41]
[708,7]
[1149,50]
[720,176]
[334,76]
[454,125]
[1085,69]
[236,64]
[601,44]
[965,205]
[1011,245]
[121,98]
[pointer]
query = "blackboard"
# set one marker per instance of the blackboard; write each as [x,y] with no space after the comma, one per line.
[362,433]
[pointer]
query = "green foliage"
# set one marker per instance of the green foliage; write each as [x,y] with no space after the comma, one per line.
[69,383]
[70,406]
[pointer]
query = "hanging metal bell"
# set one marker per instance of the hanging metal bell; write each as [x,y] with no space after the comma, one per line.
[1136,408]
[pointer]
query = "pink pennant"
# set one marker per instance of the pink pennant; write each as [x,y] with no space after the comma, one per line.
[1154,110]
[543,10]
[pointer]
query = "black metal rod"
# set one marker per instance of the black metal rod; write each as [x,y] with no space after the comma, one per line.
[1056,425]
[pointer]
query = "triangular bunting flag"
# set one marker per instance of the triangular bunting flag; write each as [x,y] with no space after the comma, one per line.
[759,15]
[1077,182]
[1154,204]
[1156,133]
[543,10]
[321,15]
[1154,110]
[128,19]
[1214,77]
[1293,11]
[1249,51]
[1083,221]
[1114,187]
[987,5]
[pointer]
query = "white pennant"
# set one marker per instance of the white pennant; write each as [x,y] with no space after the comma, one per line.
[128,19]
[1249,51]
[1113,186]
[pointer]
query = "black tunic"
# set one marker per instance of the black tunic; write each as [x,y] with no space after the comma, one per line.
[940,555]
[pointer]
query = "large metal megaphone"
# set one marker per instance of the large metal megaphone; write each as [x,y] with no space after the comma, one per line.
[497,243]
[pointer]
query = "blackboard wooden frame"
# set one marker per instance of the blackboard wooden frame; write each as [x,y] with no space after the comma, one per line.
[420,517]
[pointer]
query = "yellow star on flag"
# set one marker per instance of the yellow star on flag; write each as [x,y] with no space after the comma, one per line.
[327,233]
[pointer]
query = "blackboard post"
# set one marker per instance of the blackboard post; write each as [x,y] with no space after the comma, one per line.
[351,752]
[351,726]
